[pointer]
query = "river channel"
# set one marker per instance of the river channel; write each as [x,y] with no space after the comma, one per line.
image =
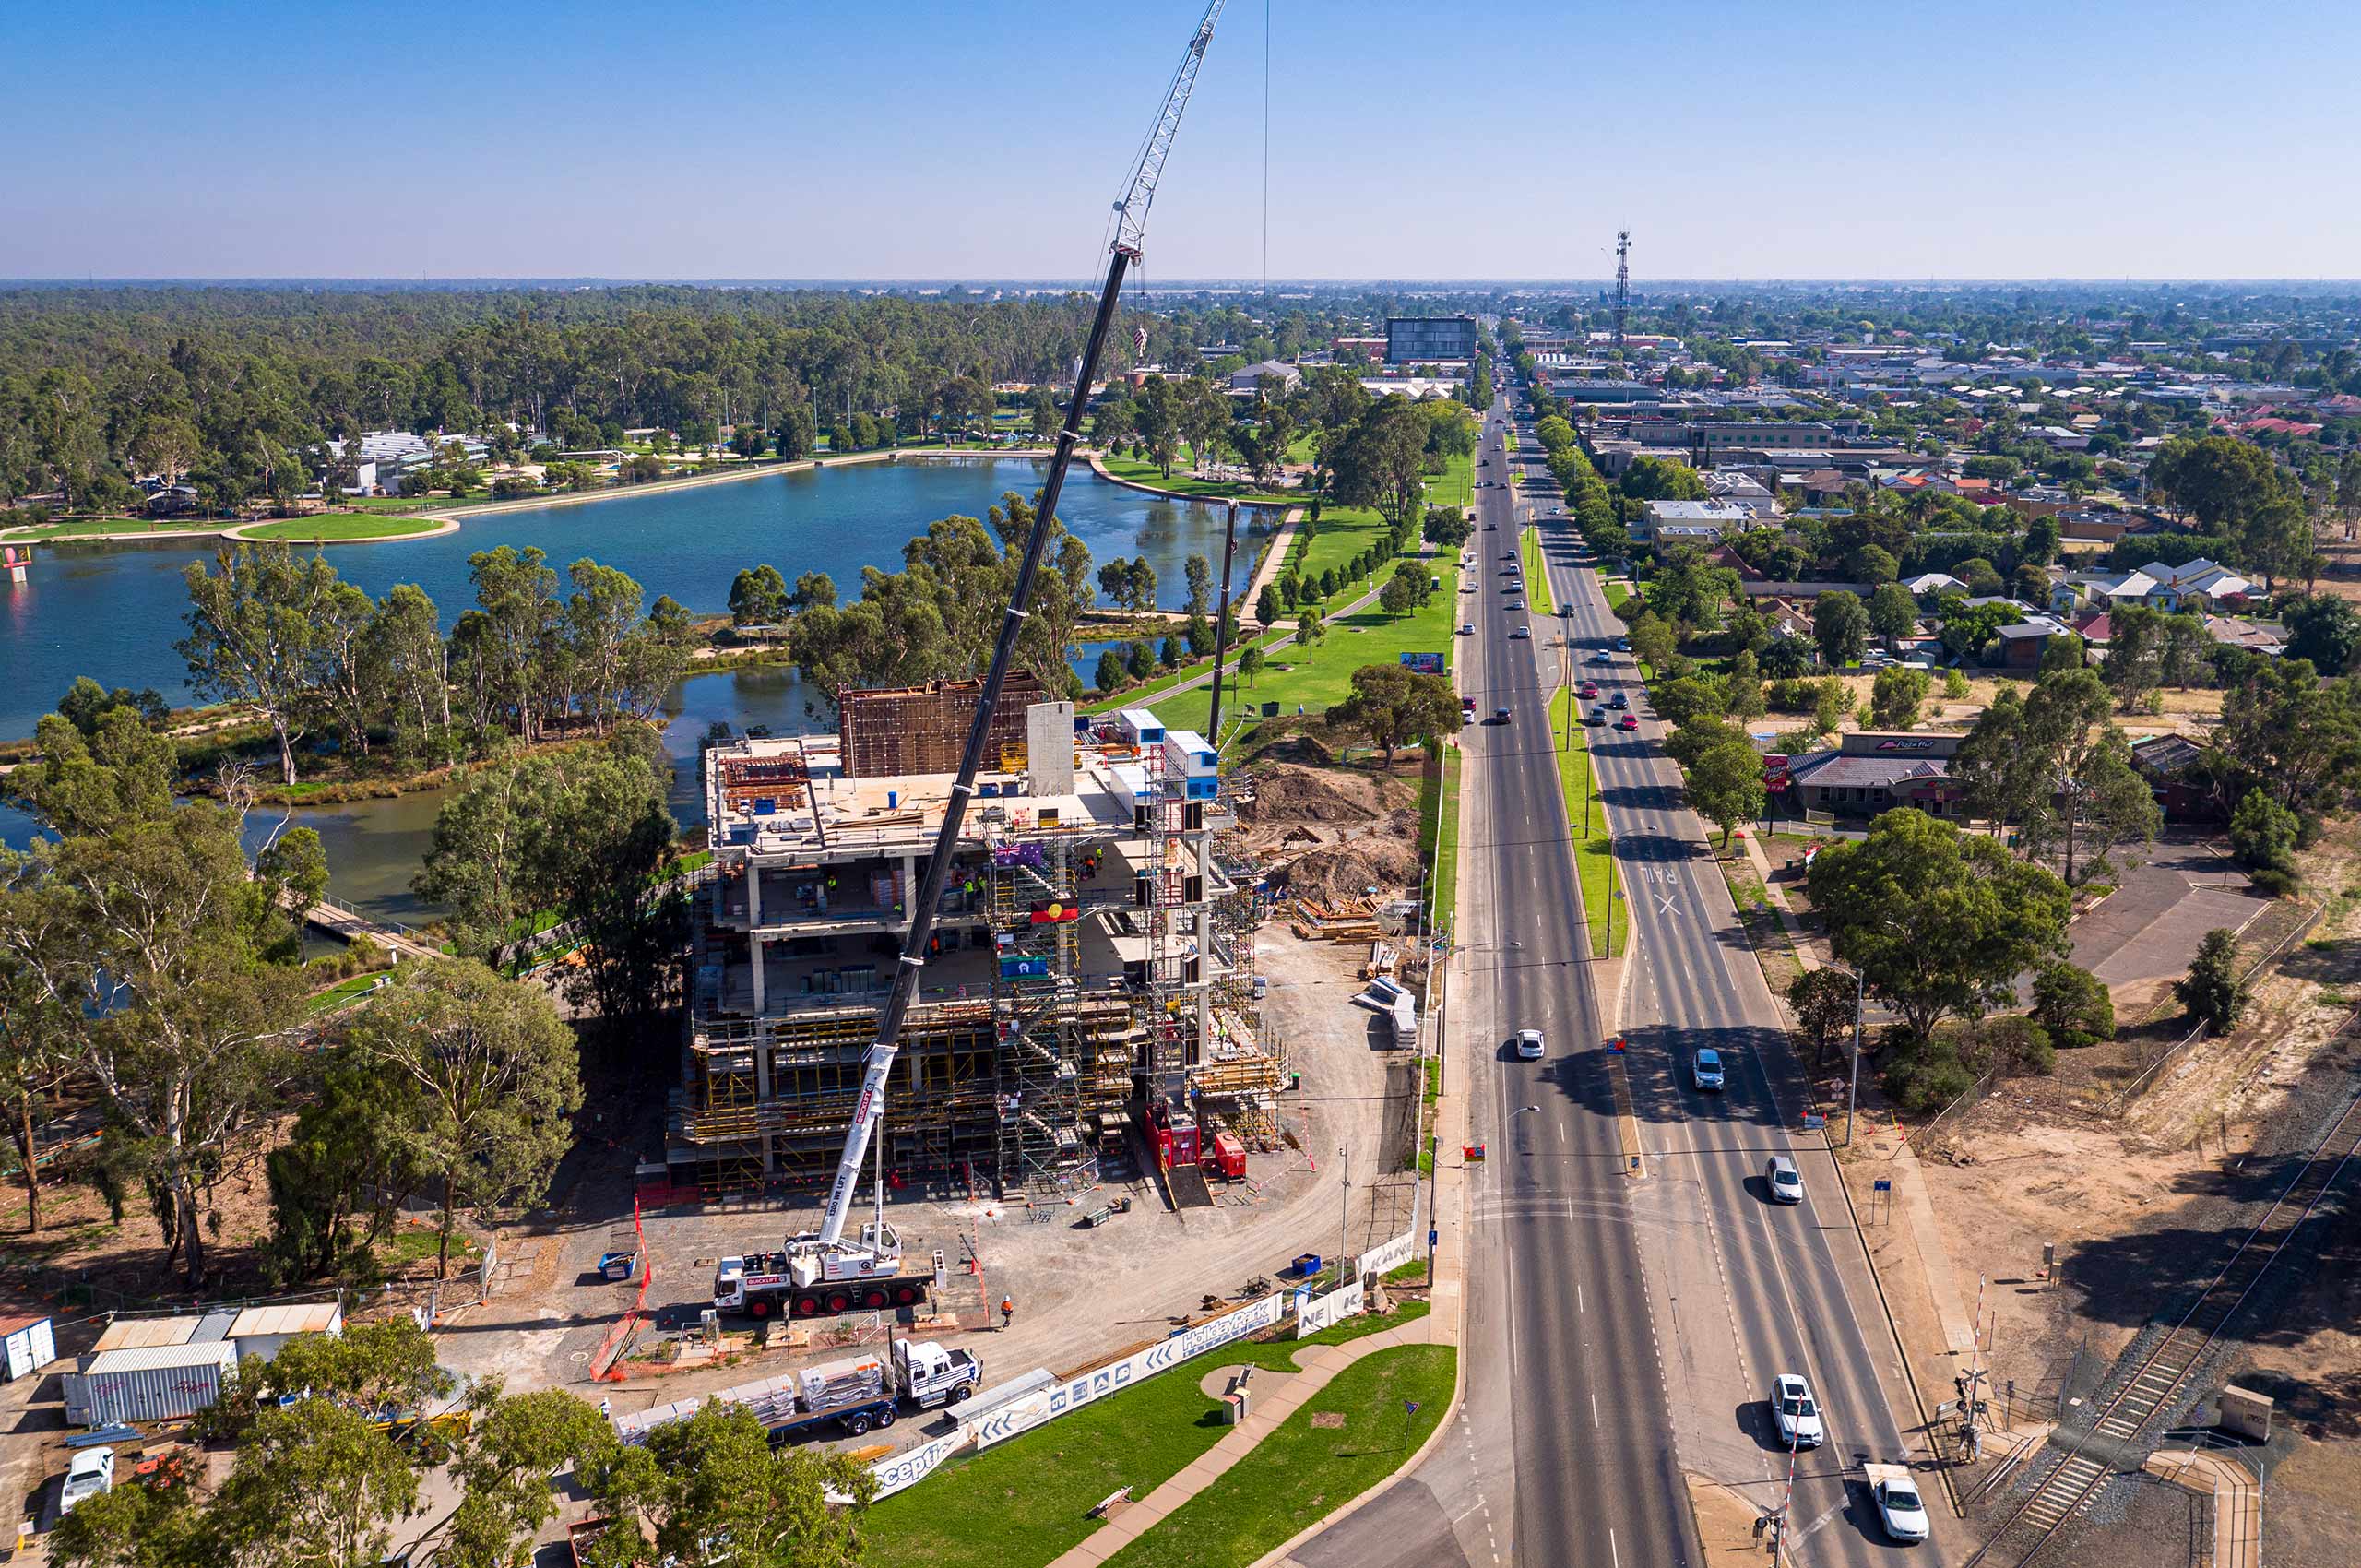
[114,611]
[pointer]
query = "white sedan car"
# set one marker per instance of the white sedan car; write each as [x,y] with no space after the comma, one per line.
[1797,1412]
[1528,1045]
[1900,1508]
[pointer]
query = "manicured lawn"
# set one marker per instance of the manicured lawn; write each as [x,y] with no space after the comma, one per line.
[1323,674]
[1342,533]
[394,503]
[1455,486]
[1616,594]
[1593,850]
[305,530]
[1302,1472]
[343,993]
[1023,1502]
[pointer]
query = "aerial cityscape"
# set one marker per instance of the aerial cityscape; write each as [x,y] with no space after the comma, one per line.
[1223,816]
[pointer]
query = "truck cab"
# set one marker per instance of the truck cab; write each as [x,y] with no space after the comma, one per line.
[929,1376]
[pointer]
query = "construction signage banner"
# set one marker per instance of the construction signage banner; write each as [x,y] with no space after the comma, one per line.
[1028,1414]
[896,1471]
[1423,663]
[1313,1314]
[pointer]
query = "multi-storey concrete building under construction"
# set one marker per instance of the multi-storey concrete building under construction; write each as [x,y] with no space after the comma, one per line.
[1090,971]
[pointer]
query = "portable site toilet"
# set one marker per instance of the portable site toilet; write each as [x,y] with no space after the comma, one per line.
[31,1343]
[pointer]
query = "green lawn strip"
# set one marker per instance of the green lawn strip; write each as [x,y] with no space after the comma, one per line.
[1302,1472]
[1342,533]
[1616,594]
[83,527]
[1025,1501]
[343,993]
[1323,674]
[1537,576]
[305,530]
[1447,841]
[1593,851]
[1455,486]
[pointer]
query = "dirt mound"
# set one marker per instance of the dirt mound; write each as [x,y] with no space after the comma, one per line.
[1337,871]
[1302,750]
[1286,793]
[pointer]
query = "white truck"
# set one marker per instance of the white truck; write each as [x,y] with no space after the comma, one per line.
[1901,1509]
[851,1395]
[807,1281]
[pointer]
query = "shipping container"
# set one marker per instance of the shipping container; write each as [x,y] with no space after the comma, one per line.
[263,1331]
[160,1382]
[31,1344]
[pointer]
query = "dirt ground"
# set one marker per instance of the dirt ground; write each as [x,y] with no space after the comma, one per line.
[1327,833]
[2143,1208]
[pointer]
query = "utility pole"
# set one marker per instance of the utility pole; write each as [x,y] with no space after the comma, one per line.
[1344,1208]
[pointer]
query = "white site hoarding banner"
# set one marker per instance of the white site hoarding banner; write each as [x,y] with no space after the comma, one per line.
[913,1466]
[1048,1405]
[1389,1255]
[1313,1314]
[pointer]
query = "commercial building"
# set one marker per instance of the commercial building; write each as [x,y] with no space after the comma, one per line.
[1430,339]
[1867,773]
[1089,972]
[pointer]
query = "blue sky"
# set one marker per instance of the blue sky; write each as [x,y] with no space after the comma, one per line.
[1808,138]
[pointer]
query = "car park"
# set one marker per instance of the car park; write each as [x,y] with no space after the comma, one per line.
[1528,1045]
[1786,1181]
[1797,1412]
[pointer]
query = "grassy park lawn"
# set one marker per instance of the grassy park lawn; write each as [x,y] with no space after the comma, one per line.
[1185,484]
[1302,1472]
[334,527]
[1455,486]
[1594,848]
[1342,533]
[393,505]
[1025,1501]
[84,528]
[1323,674]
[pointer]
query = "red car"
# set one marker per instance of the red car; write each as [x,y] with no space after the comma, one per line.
[1587,690]
[1629,722]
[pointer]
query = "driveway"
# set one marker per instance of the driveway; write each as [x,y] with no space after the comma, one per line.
[2149,927]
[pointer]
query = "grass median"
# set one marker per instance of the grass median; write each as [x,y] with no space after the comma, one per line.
[1608,917]
[1536,576]
[1025,1501]
[1348,1438]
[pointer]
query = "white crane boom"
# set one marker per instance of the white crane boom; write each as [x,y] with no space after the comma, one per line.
[1130,223]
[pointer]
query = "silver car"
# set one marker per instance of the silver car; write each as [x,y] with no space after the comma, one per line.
[1787,1182]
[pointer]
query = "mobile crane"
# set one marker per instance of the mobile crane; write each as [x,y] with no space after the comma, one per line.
[819,1270]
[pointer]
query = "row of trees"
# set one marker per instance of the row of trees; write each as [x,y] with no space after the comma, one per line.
[315,1467]
[309,653]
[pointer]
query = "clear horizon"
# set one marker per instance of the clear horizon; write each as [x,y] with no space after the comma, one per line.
[984,142]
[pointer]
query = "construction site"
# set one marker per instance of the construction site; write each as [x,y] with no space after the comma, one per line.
[1088,999]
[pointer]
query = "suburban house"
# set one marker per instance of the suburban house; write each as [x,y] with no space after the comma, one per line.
[2023,643]
[2266,637]
[2169,764]
[1928,586]
[2103,590]
[1869,772]
[2196,584]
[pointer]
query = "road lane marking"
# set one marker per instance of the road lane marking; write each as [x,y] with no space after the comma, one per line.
[1594,1410]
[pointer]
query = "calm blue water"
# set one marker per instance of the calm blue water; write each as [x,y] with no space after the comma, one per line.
[114,612]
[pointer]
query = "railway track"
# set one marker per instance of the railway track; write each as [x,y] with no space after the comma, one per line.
[2160,1380]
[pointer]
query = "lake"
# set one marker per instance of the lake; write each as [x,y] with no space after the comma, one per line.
[114,612]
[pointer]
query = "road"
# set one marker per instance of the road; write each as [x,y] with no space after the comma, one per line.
[1638,1322]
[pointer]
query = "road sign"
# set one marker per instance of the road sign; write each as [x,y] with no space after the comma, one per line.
[1881,1185]
[1615,1044]
[1813,1121]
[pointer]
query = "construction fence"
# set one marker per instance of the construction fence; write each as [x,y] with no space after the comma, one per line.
[1046,1403]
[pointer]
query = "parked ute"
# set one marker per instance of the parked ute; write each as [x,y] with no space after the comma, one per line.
[1900,1508]
[90,1473]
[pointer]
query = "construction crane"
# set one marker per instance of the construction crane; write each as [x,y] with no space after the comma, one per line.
[879,1251]
[1622,283]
